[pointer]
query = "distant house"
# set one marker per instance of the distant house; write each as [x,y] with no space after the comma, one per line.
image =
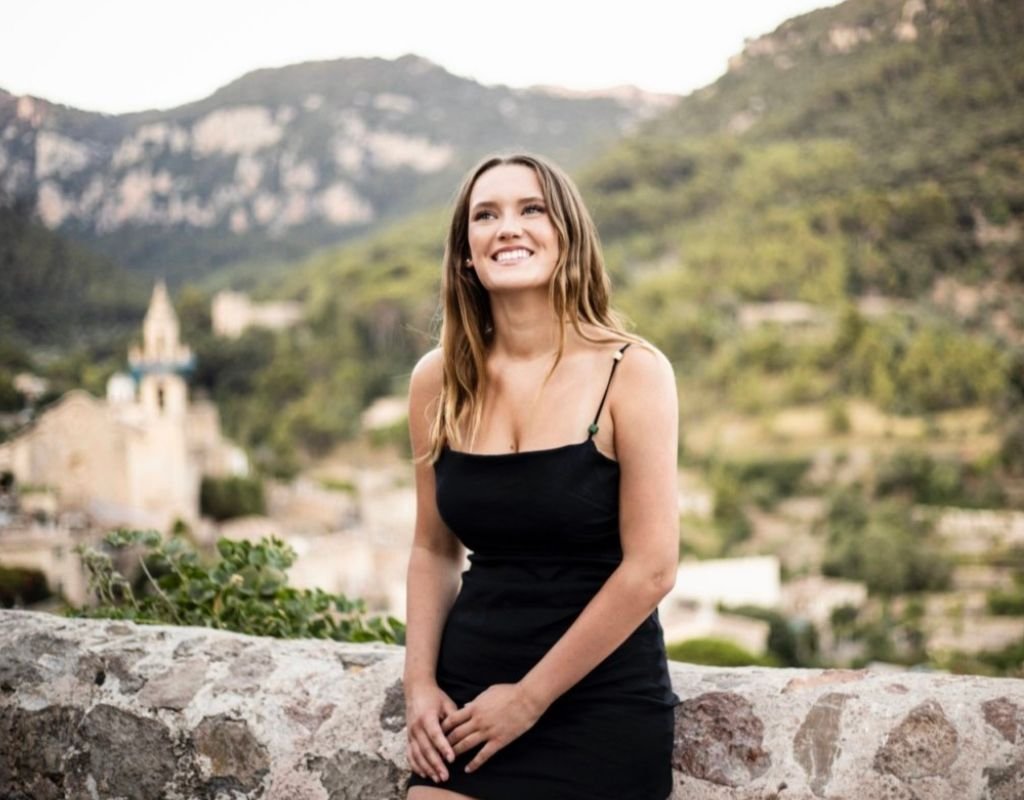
[137,457]
[233,313]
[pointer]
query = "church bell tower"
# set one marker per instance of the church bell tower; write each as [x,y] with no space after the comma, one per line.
[160,364]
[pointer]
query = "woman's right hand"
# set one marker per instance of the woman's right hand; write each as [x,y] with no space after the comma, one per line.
[425,707]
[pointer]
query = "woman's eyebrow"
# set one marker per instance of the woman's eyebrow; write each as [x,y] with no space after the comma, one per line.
[492,203]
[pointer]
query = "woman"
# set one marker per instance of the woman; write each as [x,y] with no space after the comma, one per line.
[544,676]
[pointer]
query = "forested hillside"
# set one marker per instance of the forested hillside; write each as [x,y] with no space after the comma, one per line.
[54,293]
[866,160]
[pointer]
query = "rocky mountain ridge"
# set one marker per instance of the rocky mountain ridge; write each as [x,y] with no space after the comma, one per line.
[298,156]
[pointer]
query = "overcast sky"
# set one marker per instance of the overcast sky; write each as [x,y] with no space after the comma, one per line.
[130,55]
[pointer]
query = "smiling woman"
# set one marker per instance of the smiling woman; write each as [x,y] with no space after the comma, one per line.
[543,675]
[509,226]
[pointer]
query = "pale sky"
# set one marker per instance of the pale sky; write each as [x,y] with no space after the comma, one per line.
[130,55]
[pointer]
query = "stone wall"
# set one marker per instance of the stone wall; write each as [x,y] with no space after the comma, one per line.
[105,709]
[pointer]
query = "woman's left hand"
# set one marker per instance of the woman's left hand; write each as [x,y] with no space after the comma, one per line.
[498,715]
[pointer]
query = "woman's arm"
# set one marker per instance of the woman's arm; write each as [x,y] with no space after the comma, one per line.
[433,579]
[646,430]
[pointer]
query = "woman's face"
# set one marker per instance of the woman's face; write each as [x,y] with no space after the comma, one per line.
[512,241]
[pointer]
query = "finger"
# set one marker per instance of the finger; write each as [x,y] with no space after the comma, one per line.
[432,759]
[448,707]
[440,743]
[468,743]
[415,761]
[461,732]
[456,718]
[485,753]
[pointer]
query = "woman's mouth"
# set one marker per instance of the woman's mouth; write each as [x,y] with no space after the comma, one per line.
[512,256]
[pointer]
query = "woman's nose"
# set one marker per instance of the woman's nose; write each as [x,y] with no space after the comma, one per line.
[510,226]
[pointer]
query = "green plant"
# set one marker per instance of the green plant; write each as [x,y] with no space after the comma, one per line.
[244,590]
[224,498]
[716,653]
[1006,602]
[338,485]
[792,642]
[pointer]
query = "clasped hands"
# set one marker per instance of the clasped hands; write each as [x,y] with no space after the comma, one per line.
[497,716]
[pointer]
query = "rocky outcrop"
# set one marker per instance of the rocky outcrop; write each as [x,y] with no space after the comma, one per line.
[103,709]
[301,155]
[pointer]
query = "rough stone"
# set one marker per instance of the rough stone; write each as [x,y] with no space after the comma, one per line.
[310,719]
[824,678]
[175,687]
[1006,783]
[225,650]
[232,750]
[392,713]
[1005,716]
[29,661]
[816,744]
[124,754]
[924,744]
[289,723]
[248,672]
[34,744]
[718,738]
[348,775]
[15,674]
[358,661]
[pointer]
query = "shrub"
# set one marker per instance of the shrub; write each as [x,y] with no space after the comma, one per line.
[224,498]
[1007,603]
[883,546]
[791,642]
[22,587]
[922,479]
[245,590]
[716,653]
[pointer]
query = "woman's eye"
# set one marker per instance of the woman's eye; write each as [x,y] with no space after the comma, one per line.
[534,208]
[484,214]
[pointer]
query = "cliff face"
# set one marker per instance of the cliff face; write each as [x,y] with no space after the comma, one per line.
[287,158]
[94,708]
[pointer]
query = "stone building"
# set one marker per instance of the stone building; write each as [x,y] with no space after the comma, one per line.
[137,457]
[233,312]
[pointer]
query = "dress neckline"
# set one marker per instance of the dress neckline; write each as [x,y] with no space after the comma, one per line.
[588,442]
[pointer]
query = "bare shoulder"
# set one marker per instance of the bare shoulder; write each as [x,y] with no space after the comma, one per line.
[427,375]
[644,407]
[643,364]
[424,391]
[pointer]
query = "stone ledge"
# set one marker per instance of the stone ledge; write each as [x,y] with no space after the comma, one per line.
[106,709]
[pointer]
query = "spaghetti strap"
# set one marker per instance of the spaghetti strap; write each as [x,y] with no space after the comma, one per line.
[617,358]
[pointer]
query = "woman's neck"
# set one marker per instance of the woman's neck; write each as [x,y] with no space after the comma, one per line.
[524,331]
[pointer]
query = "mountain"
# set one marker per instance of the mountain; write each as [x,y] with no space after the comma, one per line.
[872,148]
[282,160]
[863,163]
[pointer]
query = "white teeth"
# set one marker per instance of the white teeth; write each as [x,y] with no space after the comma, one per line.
[512,255]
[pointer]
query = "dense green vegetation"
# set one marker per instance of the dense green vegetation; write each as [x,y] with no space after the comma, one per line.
[58,294]
[244,589]
[370,313]
[882,545]
[225,498]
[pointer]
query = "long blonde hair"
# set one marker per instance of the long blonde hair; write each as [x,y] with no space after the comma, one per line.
[579,293]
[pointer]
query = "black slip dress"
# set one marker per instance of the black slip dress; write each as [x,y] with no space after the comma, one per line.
[542,527]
